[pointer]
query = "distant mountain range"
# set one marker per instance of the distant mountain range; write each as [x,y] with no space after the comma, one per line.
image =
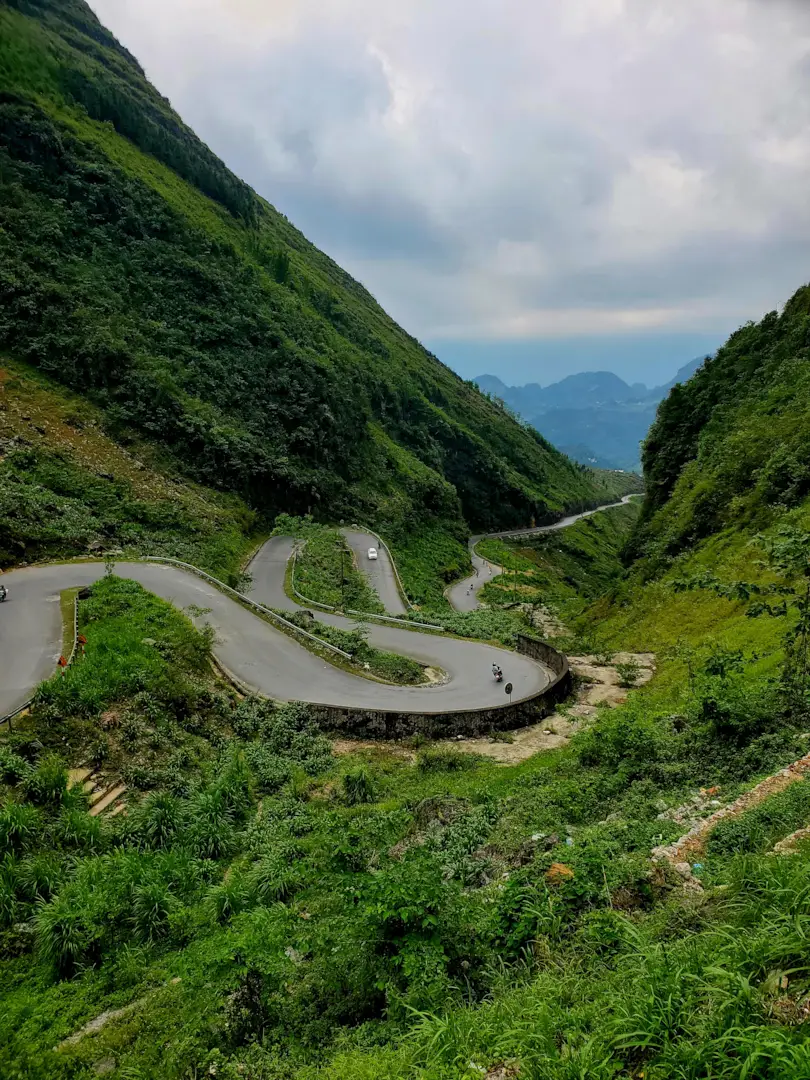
[595,417]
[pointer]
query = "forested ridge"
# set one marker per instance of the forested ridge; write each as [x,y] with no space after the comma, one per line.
[138,270]
[729,448]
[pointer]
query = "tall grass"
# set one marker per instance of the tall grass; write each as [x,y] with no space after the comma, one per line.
[136,643]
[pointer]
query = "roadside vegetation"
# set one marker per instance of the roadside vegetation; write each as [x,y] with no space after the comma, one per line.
[560,567]
[67,489]
[140,699]
[325,572]
[266,909]
[390,667]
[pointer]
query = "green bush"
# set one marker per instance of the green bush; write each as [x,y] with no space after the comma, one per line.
[160,820]
[210,829]
[13,768]
[358,786]
[271,882]
[229,898]
[444,759]
[628,738]
[8,897]
[152,907]
[40,875]
[270,771]
[77,829]
[47,784]
[20,825]
[66,936]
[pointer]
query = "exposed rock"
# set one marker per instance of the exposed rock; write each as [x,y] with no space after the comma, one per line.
[690,846]
[95,1025]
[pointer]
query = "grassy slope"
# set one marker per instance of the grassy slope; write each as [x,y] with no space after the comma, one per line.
[67,489]
[208,324]
[294,937]
[575,563]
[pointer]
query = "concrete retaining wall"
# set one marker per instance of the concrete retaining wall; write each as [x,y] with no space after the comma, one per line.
[378,724]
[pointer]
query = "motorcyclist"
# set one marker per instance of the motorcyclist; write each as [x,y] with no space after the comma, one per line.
[3,592]
[496,671]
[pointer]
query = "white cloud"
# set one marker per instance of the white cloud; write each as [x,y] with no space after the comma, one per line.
[492,167]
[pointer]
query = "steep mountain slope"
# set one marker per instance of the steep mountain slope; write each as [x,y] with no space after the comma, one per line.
[729,448]
[594,416]
[67,489]
[137,270]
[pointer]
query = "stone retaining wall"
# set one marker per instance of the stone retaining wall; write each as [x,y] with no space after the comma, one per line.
[380,724]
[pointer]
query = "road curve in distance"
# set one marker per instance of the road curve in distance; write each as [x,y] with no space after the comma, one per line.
[379,572]
[467,663]
[463,596]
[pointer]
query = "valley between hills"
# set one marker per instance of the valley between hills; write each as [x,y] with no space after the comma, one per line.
[264,810]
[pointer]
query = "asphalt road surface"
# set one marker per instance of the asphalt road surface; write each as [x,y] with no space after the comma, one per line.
[463,596]
[259,655]
[379,572]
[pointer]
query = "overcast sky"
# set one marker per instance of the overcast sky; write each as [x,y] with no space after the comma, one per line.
[531,187]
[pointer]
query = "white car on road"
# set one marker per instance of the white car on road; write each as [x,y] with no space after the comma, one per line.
[372,553]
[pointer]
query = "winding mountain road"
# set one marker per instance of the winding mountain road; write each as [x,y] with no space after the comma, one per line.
[262,657]
[463,596]
[265,658]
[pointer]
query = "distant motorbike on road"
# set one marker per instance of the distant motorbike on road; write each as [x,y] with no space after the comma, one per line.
[3,593]
[497,673]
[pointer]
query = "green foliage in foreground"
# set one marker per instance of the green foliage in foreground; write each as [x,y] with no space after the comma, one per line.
[324,569]
[680,993]
[376,917]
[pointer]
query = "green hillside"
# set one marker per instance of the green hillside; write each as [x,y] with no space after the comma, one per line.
[729,448]
[275,905]
[138,271]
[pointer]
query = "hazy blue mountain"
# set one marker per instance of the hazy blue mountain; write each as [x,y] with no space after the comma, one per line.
[595,417]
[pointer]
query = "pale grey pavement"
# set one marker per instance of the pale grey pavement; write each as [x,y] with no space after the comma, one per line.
[468,664]
[463,596]
[379,572]
[259,655]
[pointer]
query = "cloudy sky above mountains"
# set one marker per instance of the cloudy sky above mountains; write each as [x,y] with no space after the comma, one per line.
[529,186]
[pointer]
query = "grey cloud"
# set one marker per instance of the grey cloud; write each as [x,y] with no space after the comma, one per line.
[491,166]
